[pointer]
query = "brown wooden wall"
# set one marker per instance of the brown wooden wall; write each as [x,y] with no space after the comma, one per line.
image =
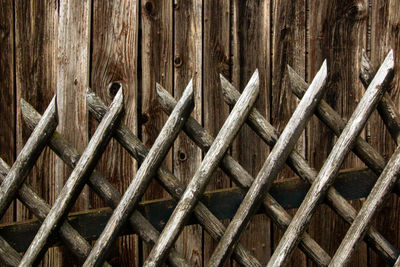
[60,46]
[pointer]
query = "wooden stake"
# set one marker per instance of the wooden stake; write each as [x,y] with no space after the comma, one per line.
[76,181]
[203,215]
[40,208]
[370,208]
[143,177]
[271,167]
[331,166]
[200,179]
[97,182]
[239,175]
[28,156]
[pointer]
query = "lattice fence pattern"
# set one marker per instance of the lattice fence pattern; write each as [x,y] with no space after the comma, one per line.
[255,191]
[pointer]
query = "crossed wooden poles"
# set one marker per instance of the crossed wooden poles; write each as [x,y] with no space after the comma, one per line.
[254,189]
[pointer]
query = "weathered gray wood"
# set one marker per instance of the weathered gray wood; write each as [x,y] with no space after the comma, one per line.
[97,182]
[331,166]
[8,255]
[76,181]
[239,175]
[71,238]
[370,208]
[28,156]
[171,183]
[271,167]
[199,181]
[386,108]
[143,177]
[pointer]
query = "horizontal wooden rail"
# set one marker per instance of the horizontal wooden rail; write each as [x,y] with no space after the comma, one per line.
[351,184]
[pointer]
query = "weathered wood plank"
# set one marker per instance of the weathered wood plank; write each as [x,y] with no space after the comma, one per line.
[7,94]
[274,163]
[110,195]
[331,166]
[202,175]
[384,26]
[114,57]
[143,177]
[28,156]
[251,31]
[351,183]
[157,66]
[239,175]
[76,181]
[188,63]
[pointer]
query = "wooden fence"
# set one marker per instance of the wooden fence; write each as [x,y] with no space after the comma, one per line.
[64,47]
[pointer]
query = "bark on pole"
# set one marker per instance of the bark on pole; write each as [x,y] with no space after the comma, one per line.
[75,182]
[271,167]
[143,177]
[199,181]
[332,165]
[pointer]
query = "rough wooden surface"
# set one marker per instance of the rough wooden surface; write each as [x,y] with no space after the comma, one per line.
[332,164]
[132,144]
[143,177]
[76,181]
[202,175]
[109,194]
[28,156]
[269,171]
[239,175]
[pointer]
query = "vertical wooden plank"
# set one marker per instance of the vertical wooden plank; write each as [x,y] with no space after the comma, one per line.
[216,59]
[114,58]
[35,57]
[288,47]
[188,34]
[385,34]
[157,66]
[336,31]
[7,93]
[251,50]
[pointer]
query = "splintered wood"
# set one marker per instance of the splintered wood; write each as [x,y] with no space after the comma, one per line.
[253,192]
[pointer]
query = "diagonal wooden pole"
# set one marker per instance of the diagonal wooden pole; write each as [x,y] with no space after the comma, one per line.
[240,176]
[172,184]
[28,156]
[369,209]
[97,182]
[143,177]
[40,208]
[8,255]
[201,177]
[301,167]
[273,164]
[332,165]
[75,182]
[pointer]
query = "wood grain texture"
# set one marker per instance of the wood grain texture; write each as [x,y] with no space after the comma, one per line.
[384,29]
[336,30]
[198,183]
[333,163]
[132,144]
[8,92]
[36,24]
[251,31]
[188,63]
[269,171]
[114,57]
[239,175]
[143,177]
[108,193]
[76,181]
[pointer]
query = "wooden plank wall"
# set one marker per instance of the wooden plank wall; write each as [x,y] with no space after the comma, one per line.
[65,46]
